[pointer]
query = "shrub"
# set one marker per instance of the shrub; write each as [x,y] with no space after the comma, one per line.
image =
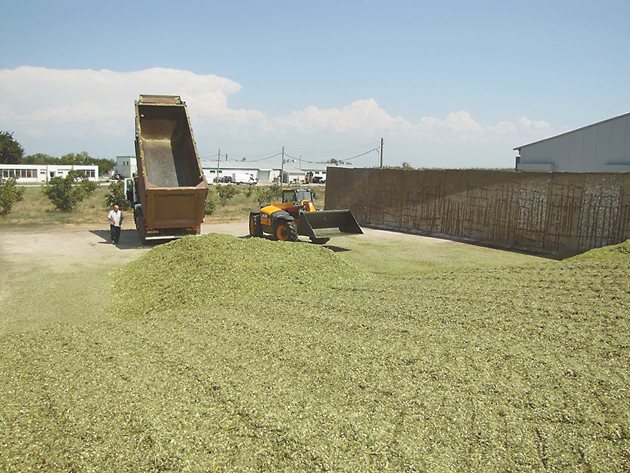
[10,193]
[211,202]
[117,196]
[89,186]
[226,193]
[269,194]
[65,193]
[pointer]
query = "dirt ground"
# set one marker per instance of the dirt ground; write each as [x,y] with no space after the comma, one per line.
[61,245]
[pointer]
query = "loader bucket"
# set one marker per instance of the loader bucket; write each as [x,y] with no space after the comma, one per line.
[327,223]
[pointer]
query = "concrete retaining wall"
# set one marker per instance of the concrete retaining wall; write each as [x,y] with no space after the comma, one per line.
[553,213]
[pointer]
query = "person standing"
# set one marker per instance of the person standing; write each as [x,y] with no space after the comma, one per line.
[115,218]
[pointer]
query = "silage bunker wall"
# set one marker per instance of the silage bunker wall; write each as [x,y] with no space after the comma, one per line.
[554,213]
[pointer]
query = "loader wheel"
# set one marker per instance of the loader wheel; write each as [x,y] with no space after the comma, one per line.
[320,241]
[255,228]
[286,231]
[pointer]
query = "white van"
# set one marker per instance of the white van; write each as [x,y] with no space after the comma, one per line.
[244,178]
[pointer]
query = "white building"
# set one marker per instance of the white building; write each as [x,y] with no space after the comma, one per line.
[126,166]
[600,147]
[39,173]
[235,169]
[315,172]
[268,175]
[292,175]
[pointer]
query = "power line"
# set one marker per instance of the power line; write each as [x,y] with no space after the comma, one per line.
[225,156]
[341,159]
[263,159]
[261,155]
[301,159]
[359,155]
[348,149]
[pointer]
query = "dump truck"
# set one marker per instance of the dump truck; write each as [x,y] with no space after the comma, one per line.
[297,215]
[169,191]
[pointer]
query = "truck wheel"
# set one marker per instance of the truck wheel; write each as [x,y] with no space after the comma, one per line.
[286,231]
[255,228]
[320,241]
[140,227]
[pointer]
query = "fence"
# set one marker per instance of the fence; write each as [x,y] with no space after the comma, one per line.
[553,213]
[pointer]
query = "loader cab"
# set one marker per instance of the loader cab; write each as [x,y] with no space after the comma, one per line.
[297,196]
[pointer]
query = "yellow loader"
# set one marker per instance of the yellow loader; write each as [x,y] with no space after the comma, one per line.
[296,215]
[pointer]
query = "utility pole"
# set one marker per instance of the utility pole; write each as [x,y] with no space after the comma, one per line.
[381,152]
[282,168]
[218,158]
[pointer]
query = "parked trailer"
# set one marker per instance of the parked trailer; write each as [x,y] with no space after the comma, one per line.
[169,192]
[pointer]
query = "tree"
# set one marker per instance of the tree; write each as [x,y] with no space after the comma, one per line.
[83,158]
[11,151]
[406,165]
[269,194]
[226,193]
[10,193]
[211,202]
[39,158]
[117,196]
[104,165]
[65,193]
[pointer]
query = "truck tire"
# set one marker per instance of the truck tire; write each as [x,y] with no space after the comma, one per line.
[285,230]
[140,227]
[255,227]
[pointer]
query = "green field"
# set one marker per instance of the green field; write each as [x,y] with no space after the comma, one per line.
[398,354]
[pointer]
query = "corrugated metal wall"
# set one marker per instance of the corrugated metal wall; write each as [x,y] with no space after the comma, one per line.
[602,147]
[555,213]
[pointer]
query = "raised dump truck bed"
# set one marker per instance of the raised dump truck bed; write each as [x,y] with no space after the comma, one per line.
[170,189]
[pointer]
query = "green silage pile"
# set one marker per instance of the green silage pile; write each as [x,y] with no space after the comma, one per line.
[513,368]
[620,251]
[222,269]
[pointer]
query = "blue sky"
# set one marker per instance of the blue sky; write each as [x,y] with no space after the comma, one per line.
[445,83]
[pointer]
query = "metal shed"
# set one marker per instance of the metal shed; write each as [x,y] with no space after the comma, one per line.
[601,147]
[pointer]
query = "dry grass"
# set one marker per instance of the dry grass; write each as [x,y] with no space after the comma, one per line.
[36,209]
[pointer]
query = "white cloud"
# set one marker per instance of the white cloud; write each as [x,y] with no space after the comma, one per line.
[63,110]
[365,115]
[38,95]
[462,121]
[535,124]
[503,127]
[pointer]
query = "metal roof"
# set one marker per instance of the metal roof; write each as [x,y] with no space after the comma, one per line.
[573,131]
[209,164]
